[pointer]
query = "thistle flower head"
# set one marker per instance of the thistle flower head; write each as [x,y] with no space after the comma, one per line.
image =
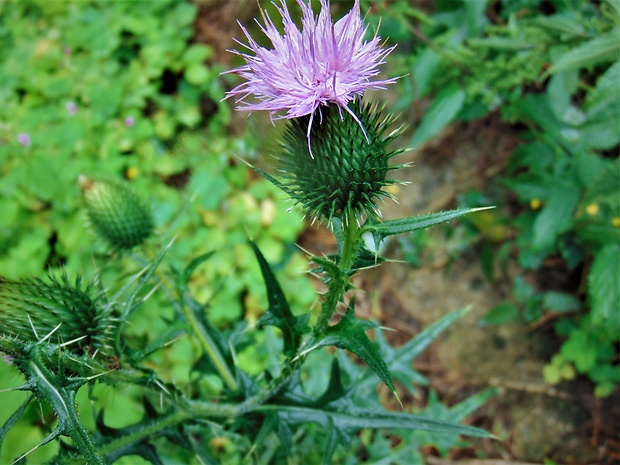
[321,64]
[346,171]
[33,310]
[116,213]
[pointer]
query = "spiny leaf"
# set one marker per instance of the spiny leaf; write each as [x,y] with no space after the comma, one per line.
[13,418]
[350,334]
[359,418]
[381,230]
[279,313]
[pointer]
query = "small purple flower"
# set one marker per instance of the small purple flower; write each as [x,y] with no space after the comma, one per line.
[71,108]
[129,121]
[24,139]
[324,63]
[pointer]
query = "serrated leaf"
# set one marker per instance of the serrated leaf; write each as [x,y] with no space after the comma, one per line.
[358,419]
[279,313]
[350,334]
[602,49]
[604,291]
[381,230]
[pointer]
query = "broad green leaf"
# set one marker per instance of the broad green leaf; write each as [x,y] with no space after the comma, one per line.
[423,70]
[442,112]
[502,313]
[279,314]
[555,217]
[560,90]
[606,94]
[602,49]
[561,23]
[581,350]
[604,291]
[560,301]
[381,230]
[475,13]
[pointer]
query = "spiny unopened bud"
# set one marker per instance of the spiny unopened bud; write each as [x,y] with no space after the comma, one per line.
[343,170]
[31,309]
[116,213]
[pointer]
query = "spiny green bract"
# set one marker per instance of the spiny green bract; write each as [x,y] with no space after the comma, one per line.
[343,170]
[116,213]
[31,309]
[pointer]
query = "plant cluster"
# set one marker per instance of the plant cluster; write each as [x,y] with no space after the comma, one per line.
[156,327]
[552,67]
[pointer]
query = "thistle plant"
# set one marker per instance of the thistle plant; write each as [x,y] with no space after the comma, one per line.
[334,161]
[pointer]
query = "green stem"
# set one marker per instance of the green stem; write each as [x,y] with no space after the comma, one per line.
[49,387]
[209,346]
[191,410]
[338,285]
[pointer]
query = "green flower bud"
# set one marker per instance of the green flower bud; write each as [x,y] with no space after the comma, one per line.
[116,213]
[31,309]
[342,170]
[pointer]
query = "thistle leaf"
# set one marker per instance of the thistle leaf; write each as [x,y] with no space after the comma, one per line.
[381,230]
[279,313]
[13,419]
[350,334]
[359,418]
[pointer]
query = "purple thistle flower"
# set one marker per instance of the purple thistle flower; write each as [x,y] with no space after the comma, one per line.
[324,63]
[24,139]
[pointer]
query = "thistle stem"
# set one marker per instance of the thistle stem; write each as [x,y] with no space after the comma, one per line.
[190,410]
[50,388]
[208,345]
[338,285]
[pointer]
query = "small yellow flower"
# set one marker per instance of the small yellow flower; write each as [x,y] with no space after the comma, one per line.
[535,204]
[132,173]
[592,209]
[616,221]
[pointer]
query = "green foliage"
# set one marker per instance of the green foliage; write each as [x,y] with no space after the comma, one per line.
[557,75]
